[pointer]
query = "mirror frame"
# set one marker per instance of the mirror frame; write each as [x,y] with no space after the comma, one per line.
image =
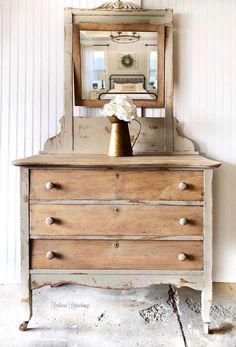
[138,27]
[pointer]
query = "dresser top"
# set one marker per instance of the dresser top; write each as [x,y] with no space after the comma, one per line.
[92,160]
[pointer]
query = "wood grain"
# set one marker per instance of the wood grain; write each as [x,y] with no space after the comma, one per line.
[116,220]
[116,184]
[93,160]
[103,254]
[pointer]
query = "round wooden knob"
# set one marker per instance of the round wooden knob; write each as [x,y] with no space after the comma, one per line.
[182,256]
[50,255]
[183,186]
[49,185]
[49,220]
[183,221]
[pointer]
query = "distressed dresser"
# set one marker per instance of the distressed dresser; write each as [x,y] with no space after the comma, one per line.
[116,222]
[126,222]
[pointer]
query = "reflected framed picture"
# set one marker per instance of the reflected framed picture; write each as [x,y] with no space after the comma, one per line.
[95,85]
[127,61]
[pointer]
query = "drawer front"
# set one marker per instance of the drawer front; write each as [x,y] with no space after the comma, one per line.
[112,185]
[116,220]
[121,254]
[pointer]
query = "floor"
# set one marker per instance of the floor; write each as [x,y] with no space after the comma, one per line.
[85,317]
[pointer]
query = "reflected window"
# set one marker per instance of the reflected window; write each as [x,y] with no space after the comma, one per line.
[153,68]
[99,68]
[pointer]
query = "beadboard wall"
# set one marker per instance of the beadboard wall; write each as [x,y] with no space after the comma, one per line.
[31,103]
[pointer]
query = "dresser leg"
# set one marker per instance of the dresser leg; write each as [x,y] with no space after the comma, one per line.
[206,328]
[206,307]
[27,307]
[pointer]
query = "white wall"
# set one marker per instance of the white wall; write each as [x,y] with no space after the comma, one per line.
[137,48]
[31,102]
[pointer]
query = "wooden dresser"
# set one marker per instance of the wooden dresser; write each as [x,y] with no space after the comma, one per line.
[116,223]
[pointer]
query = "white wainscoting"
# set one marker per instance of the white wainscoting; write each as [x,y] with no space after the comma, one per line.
[31,103]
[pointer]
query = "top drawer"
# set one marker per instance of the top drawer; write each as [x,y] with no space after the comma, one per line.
[135,185]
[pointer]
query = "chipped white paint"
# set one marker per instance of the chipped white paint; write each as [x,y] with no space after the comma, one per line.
[207,249]
[117,280]
[92,136]
[26,293]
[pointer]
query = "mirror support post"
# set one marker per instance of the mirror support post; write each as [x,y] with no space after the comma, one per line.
[169,86]
[68,140]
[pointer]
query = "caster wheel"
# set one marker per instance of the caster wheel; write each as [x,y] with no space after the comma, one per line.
[23,326]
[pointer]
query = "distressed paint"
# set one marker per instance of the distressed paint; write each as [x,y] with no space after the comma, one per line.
[206,298]
[114,281]
[92,134]
[26,292]
[68,134]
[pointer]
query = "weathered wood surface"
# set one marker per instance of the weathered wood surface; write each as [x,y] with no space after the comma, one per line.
[169,90]
[93,160]
[115,16]
[68,133]
[120,254]
[206,298]
[116,184]
[116,280]
[92,134]
[116,220]
[26,293]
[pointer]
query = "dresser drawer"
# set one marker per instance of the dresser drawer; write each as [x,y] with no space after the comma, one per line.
[122,254]
[116,185]
[116,220]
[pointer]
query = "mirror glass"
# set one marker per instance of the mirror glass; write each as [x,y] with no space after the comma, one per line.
[119,62]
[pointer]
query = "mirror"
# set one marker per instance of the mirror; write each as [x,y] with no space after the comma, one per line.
[114,59]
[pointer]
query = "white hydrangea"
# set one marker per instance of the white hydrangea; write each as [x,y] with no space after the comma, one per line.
[122,107]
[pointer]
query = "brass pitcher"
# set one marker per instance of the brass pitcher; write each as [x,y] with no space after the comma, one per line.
[120,144]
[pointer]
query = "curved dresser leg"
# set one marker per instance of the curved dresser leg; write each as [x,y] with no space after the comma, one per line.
[26,302]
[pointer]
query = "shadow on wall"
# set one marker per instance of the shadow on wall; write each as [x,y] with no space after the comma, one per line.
[224,239]
[176,43]
[224,215]
[181,24]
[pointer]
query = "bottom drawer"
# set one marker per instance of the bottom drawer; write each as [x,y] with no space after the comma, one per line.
[120,254]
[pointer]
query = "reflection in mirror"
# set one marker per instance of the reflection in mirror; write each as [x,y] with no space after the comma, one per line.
[120,62]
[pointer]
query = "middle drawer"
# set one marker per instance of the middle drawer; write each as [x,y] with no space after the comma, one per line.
[120,220]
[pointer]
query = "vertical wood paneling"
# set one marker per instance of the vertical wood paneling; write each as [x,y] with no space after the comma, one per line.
[31,102]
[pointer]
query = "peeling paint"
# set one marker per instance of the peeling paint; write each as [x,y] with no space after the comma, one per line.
[221,311]
[25,300]
[127,285]
[216,312]
[26,198]
[194,306]
[154,313]
[36,285]
[182,280]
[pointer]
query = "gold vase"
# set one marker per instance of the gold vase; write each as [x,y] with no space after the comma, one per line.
[120,145]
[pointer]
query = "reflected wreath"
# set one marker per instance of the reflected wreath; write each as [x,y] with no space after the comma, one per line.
[127,60]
